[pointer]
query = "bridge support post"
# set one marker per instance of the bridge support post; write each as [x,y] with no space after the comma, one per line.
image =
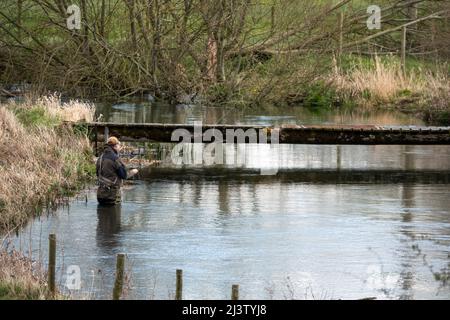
[96,142]
[106,134]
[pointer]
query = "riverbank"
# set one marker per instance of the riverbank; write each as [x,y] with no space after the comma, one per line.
[41,162]
[21,278]
[358,83]
[354,83]
[265,54]
[422,91]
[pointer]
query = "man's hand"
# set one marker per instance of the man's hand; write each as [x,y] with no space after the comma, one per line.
[132,173]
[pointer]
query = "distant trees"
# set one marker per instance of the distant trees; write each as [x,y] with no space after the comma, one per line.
[179,47]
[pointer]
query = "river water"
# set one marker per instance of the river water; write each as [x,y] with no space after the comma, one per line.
[336,222]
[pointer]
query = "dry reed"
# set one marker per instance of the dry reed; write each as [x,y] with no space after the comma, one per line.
[39,163]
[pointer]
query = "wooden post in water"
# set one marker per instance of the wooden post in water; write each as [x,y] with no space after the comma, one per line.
[118,284]
[403,53]
[179,287]
[52,264]
[235,292]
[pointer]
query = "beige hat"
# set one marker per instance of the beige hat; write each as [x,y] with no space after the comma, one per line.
[112,141]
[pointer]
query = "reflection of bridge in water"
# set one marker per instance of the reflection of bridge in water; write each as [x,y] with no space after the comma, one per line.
[323,176]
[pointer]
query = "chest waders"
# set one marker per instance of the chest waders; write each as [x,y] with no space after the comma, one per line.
[108,191]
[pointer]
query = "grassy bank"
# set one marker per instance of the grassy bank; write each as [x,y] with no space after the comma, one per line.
[40,161]
[21,278]
[368,83]
[422,90]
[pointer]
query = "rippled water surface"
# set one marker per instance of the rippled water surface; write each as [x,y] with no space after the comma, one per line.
[336,222]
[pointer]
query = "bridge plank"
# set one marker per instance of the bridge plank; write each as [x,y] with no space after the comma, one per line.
[288,134]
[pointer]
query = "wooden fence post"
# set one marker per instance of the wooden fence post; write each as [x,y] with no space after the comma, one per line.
[52,264]
[235,292]
[118,284]
[179,287]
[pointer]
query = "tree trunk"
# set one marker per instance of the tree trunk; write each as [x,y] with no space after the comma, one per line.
[132,10]
[155,14]
[85,27]
[19,19]
[211,65]
[102,20]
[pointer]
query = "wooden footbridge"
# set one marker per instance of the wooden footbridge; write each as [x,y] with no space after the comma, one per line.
[285,134]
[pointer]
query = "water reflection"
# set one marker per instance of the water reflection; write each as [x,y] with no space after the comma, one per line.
[316,219]
[144,112]
[259,232]
[108,227]
[284,156]
[330,214]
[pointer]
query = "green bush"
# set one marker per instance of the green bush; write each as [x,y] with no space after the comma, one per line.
[320,96]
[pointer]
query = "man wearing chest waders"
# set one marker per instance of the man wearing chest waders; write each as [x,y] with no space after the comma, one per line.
[110,173]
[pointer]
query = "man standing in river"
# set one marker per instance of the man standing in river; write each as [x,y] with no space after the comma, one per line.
[110,173]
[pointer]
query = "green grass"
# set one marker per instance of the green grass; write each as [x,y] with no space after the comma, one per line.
[350,61]
[14,291]
[36,116]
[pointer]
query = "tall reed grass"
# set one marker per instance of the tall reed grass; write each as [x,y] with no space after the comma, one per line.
[21,278]
[40,160]
[386,82]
